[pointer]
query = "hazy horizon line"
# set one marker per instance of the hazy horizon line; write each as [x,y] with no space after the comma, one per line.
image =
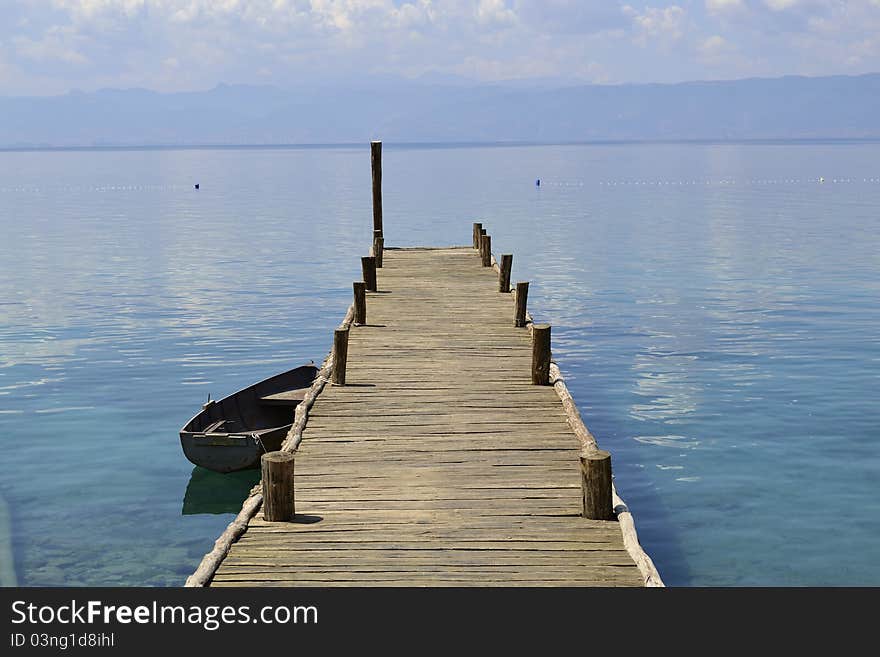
[425,78]
[769,141]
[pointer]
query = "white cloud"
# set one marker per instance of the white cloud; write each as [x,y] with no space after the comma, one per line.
[494,12]
[664,24]
[89,9]
[714,46]
[724,6]
[781,5]
[91,43]
[59,44]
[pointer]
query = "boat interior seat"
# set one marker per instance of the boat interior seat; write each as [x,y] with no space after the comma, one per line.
[285,397]
[214,426]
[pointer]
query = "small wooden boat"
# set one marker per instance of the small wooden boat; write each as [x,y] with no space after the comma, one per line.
[232,433]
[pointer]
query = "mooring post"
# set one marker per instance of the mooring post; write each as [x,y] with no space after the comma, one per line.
[541,354]
[378,246]
[522,295]
[504,274]
[478,230]
[360,302]
[596,484]
[376,165]
[486,250]
[340,355]
[277,476]
[368,265]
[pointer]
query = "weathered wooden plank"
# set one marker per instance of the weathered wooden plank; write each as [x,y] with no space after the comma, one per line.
[420,578]
[268,547]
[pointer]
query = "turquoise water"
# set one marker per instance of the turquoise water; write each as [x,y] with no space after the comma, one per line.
[714,308]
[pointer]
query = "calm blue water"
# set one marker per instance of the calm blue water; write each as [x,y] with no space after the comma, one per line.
[714,307]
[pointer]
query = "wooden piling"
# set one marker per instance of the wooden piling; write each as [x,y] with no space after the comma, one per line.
[278,495]
[376,165]
[378,247]
[478,228]
[504,274]
[486,250]
[541,354]
[368,266]
[360,302]
[522,295]
[340,356]
[596,483]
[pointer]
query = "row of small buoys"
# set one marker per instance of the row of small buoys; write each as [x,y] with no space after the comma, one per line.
[724,181]
[35,189]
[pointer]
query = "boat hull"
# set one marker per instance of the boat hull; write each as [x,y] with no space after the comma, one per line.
[232,433]
[228,453]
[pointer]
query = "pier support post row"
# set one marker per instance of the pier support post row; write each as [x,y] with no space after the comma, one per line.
[340,356]
[277,477]
[596,483]
[519,311]
[360,302]
[541,354]
[504,274]
[486,250]
[376,165]
[378,247]
[478,231]
[368,266]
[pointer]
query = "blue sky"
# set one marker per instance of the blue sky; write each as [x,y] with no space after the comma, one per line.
[53,46]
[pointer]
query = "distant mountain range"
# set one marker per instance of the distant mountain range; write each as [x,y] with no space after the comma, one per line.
[449,109]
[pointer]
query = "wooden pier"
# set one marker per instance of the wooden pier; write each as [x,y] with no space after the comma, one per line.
[429,454]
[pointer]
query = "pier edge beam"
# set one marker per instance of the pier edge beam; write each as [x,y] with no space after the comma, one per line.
[340,356]
[368,266]
[541,354]
[278,493]
[376,167]
[596,484]
[522,295]
[478,228]
[360,302]
[486,250]
[504,273]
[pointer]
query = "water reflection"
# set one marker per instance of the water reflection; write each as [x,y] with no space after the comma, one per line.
[214,492]
[7,560]
[694,324]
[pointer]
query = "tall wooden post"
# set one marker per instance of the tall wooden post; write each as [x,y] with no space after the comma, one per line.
[360,302]
[522,295]
[368,266]
[541,354]
[486,250]
[340,356]
[277,477]
[596,484]
[378,246]
[478,231]
[376,164]
[504,274]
